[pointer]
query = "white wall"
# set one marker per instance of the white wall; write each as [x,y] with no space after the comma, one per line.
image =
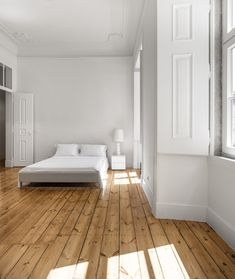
[221,202]
[176,185]
[182,180]
[2,125]
[137,153]
[182,187]
[147,36]
[79,100]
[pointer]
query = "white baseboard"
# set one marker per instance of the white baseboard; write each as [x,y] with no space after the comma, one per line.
[223,228]
[181,211]
[148,193]
[8,164]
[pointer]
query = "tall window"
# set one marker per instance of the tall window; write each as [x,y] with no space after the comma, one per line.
[229,78]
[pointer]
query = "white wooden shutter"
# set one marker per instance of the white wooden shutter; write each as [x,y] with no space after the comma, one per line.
[183,76]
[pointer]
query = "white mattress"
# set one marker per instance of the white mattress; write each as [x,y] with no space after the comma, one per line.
[72,162]
[66,168]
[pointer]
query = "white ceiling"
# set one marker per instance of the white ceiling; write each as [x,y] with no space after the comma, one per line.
[72,27]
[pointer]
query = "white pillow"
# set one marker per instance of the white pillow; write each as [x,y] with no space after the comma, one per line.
[93,150]
[67,150]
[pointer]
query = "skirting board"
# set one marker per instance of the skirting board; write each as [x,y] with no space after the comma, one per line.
[148,193]
[9,164]
[224,229]
[181,212]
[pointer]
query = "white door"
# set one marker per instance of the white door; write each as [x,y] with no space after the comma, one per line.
[23,129]
[183,76]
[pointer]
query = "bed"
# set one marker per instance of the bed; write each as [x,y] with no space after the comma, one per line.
[77,167]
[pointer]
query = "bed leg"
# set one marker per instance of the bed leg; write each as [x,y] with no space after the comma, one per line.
[20,184]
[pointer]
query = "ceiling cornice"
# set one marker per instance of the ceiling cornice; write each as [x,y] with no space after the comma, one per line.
[116,38]
[139,31]
[8,34]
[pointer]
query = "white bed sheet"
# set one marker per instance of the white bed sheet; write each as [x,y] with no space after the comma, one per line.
[72,162]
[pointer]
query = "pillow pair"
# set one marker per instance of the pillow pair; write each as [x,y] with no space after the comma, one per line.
[85,150]
[67,150]
[98,150]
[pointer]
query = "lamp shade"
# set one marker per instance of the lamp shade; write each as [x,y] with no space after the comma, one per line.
[118,135]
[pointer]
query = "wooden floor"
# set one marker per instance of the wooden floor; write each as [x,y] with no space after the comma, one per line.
[109,233]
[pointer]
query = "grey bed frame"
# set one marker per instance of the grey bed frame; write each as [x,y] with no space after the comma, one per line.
[29,175]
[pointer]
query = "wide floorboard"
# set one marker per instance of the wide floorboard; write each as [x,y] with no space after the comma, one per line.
[85,232]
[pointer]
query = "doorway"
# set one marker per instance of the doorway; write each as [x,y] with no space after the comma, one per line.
[137,112]
[2,128]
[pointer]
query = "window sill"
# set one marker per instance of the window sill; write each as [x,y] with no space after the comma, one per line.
[224,158]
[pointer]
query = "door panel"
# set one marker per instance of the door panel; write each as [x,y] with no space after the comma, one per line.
[183,77]
[23,129]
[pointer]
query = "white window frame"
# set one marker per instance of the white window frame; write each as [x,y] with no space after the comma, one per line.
[227,80]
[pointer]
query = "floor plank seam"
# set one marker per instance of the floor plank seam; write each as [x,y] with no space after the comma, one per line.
[73,227]
[192,252]
[44,231]
[216,243]
[135,185]
[90,222]
[135,233]
[106,214]
[222,271]
[29,246]
[24,211]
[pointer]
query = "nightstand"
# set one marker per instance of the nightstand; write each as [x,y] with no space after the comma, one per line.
[118,162]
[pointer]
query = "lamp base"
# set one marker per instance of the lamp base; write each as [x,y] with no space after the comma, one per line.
[118,148]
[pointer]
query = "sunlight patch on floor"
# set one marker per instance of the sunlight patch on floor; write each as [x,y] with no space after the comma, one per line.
[75,271]
[133,174]
[104,182]
[171,265]
[122,181]
[135,180]
[164,260]
[112,268]
[80,271]
[129,266]
[105,176]
[155,263]
[180,262]
[143,265]
[121,175]
[62,272]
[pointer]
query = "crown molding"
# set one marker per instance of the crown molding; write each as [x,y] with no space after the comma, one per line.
[7,43]
[103,57]
[139,34]
[117,40]
[8,33]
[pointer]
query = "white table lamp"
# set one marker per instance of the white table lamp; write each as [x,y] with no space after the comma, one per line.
[118,137]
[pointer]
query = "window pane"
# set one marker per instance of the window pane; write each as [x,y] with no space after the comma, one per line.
[8,77]
[233,71]
[233,122]
[233,14]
